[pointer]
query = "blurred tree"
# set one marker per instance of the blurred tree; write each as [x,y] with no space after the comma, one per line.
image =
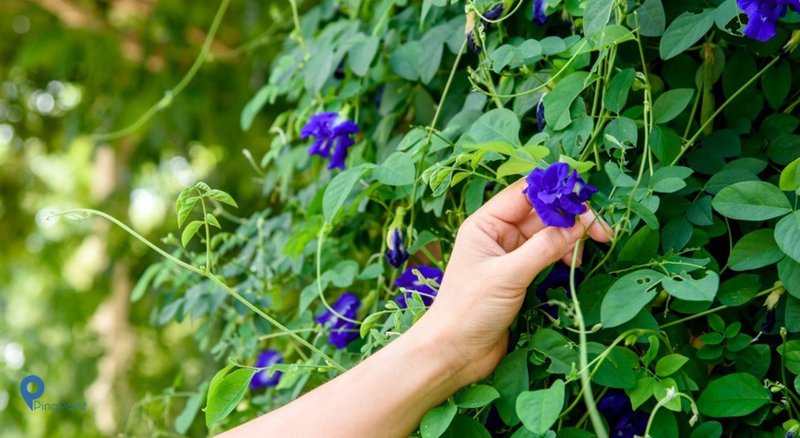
[74,70]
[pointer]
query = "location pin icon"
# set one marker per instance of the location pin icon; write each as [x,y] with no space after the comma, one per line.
[28,395]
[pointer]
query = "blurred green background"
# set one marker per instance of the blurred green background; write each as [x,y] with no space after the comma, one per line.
[73,69]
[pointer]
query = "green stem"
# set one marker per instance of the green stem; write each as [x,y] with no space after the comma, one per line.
[722,107]
[214,279]
[169,95]
[586,383]
[713,310]
[431,128]
[320,241]
[208,233]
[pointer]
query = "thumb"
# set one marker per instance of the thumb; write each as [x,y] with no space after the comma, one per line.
[540,251]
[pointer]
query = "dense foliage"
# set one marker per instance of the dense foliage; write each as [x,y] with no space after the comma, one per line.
[403,117]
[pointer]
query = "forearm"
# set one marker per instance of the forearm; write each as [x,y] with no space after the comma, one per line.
[386,395]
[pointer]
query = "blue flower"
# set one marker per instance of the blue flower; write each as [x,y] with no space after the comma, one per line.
[539,11]
[411,283]
[763,16]
[492,14]
[540,120]
[332,137]
[558,195]
[263,379]
[556,278]
[623,421]
[469,32]
[342,331]
[396,252]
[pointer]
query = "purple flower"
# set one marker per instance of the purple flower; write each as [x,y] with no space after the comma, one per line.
[493,14]
[411,283]
[623,421]
[556,278]
[763,16]
[263,379]
[342,331]
[769,321]
[540,120]
[539,11]
[332,137]
[558,195]
[396,252]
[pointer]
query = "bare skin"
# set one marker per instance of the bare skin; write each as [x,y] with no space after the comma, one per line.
[499,250]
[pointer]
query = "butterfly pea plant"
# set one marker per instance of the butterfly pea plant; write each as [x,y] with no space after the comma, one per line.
[674,121]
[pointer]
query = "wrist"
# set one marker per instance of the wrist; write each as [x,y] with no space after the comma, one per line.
[438,342]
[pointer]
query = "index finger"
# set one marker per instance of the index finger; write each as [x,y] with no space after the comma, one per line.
[510,205]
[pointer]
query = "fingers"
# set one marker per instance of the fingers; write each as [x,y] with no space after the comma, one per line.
[596,227]
[567,259]
[510,205]
[541,250]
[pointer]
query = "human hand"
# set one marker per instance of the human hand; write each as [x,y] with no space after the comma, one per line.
[499,250]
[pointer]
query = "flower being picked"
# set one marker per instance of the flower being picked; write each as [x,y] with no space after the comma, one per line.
[557,194]
[263,379]
[332,137]
[342,331]
[427,287]
[763,16]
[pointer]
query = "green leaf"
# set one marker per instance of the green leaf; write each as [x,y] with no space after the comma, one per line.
[510,379]
[671,103]
[789,274]
[652,20]
[185,419]
[255,105]
[776,83]
[628,295]
[787,235]
[144,282]
[361,55]
[755,250]
[558,101]
[368,323]
[190,231]
[686,30]
[661,390]
[476,396]
[687,288]
[464,426]
[497,125]
[597,15]
[790,177]
[184,208]
[734,395]
[397,170]
[670,364]
[225,392]
[338,190]
[436,421]
[221,196]
[751,201]
[642,392]
[709,429]
[791,355]
[212,220]
[539,410]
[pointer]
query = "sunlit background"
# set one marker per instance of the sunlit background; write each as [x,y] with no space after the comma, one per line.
[71,71]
